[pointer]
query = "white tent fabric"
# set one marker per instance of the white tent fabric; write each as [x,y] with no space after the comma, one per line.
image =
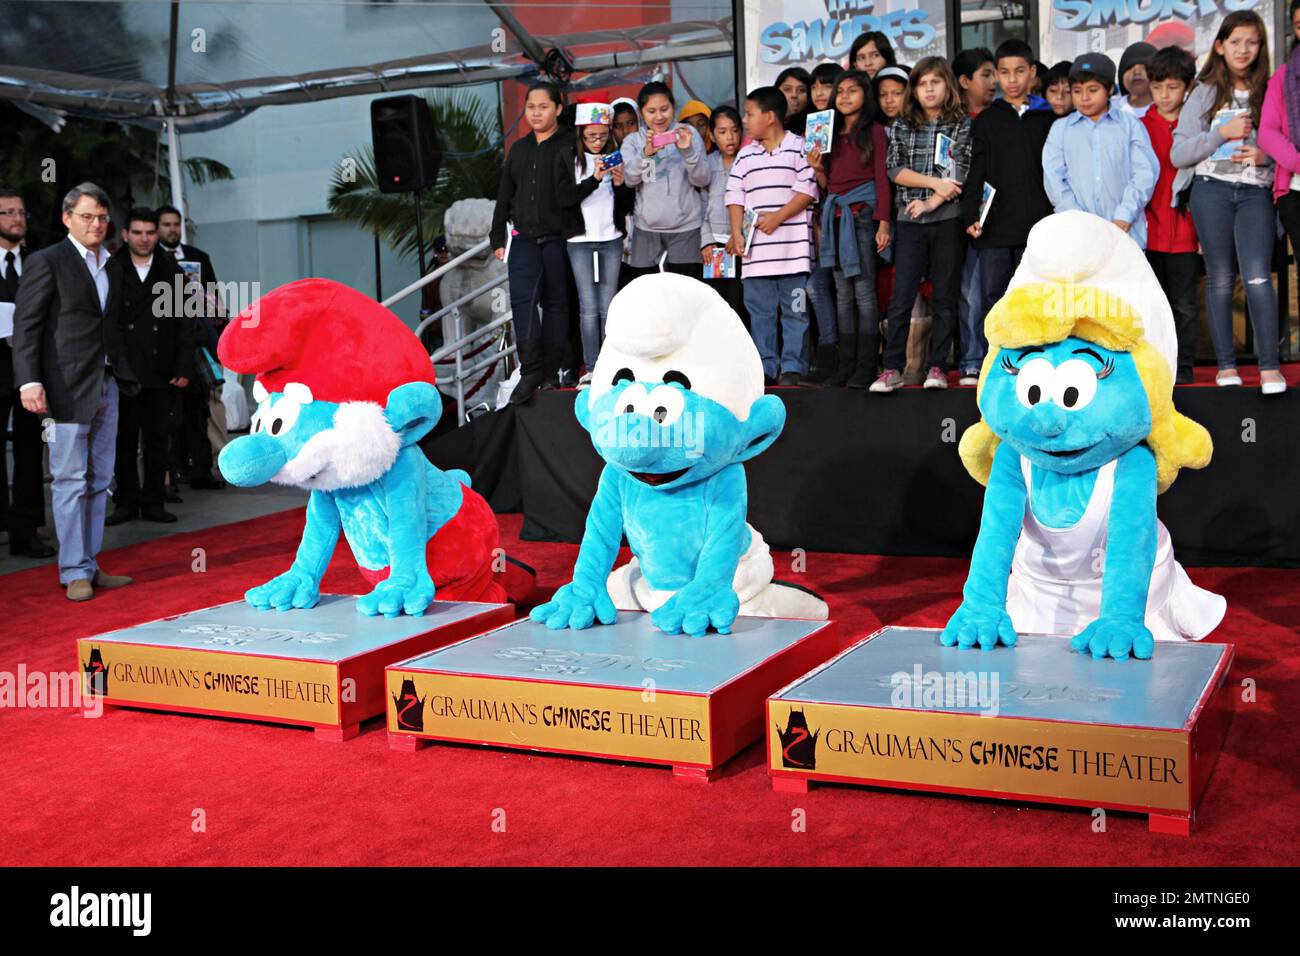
[124,60]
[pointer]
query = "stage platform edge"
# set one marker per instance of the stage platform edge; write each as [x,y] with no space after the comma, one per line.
[1138,736]
[320,667]
[625,691]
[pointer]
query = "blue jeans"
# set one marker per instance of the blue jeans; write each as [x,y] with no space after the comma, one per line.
[81,461]
[919,248]
[971,312]
[856,309]
[997,264]
[538,273]
[1233,218]
[595,291]
[823,301]
[766,299]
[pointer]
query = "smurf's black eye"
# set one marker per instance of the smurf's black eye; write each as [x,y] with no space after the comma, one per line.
[276,426]
[1071,397]
[624,375]
[1035,394]
[629,410]
[660,414]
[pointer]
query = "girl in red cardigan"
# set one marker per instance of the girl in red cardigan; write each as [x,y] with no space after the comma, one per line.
[855,224]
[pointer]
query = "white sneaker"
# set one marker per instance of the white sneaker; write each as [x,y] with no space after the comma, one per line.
[1275,384]
[1228,377]
[968,379]
[935,378]
[585,381]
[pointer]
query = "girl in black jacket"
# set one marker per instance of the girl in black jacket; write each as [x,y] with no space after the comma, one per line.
[529,198]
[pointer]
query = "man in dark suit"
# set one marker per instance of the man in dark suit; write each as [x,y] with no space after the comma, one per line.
[26,512]
[159,340]
[192,443]
[69,358]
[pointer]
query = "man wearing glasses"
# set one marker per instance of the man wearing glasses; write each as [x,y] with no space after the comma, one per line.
[25,512]
[69,355]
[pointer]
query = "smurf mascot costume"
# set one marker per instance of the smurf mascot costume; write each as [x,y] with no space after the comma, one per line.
[676,407]
[1078,436]
[345,391]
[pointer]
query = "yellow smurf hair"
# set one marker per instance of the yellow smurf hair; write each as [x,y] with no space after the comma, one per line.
[1041,313]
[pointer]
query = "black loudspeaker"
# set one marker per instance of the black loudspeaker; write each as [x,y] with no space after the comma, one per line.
[407,155]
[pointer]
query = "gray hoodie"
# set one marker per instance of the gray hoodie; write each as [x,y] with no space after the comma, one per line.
[667,199]
[1194,140]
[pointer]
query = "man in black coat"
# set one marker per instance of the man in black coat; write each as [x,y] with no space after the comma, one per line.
[160,347]
[69,361]
[191,443]
[22,515]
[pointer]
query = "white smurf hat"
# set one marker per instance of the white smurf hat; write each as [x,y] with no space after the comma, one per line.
[1092,272]
[665,322]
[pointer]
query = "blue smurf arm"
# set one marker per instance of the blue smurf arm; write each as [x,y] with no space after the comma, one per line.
[1130,556]
[586,599]
[445,494]
[408,587]
[982,617]
[299,587]
[710,597]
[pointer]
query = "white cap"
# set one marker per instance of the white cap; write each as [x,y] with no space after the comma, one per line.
[664,321]
[1080,249]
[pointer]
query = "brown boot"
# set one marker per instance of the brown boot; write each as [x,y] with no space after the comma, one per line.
[80,590]
[110,581]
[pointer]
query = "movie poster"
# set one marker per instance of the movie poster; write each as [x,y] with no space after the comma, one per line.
[1068,28]
[782,33]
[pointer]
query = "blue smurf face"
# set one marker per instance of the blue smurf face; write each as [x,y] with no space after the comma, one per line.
[666,435]
[1068,407]
[280,427]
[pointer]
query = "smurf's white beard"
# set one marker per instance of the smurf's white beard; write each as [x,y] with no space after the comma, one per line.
[360,447]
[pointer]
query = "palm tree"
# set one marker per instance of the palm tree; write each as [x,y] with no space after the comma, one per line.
[469,132]
[130,162]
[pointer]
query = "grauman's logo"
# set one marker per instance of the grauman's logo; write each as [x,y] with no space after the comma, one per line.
[798,746]
[96,674]
[409,706]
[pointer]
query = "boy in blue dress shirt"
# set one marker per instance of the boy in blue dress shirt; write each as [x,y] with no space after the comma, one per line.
[1100,159]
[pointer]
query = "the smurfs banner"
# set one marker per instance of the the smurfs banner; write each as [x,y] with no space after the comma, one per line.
[1068,28]
[782,33]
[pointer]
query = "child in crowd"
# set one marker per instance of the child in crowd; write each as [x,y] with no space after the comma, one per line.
[1134,86]
[974,69]
[855,224]
[771,178]
[697,114]
[891,93]
[726,131]
[626,119]
[1099,159]
[538,264]
[1056,89]
[1232,198]
[890,85]
[1007,143]
[929,154]
[604,201]
[871,52]
[794,83]
[668,213]
[1171,235]
[1040,74]
[1279,134]
[821,281]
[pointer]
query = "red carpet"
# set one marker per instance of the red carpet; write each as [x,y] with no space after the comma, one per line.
[126,789]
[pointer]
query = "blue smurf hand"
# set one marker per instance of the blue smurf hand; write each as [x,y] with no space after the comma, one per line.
[692,612]
[293,589]
[1115,637]
[391,598]
[975,624]
[577,605]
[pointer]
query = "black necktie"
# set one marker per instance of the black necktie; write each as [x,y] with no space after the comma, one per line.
[9,286]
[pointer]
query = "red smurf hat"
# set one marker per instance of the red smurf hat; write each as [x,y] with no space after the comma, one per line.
[343,345]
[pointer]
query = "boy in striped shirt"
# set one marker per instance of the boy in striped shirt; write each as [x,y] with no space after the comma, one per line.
[772,177]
